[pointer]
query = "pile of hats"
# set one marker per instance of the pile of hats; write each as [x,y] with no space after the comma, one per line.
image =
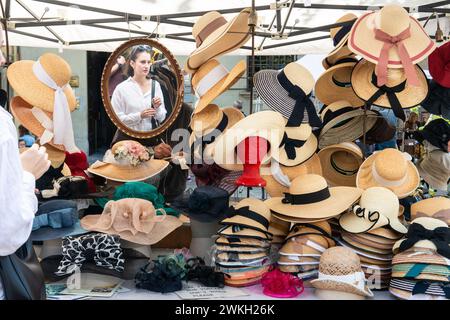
[242,249]
[371,229]
[279,229]
[421,266]
[303,248]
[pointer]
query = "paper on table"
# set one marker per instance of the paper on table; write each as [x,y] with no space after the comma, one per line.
[194,291]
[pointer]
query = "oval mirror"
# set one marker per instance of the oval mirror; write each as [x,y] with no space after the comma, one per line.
[142,88]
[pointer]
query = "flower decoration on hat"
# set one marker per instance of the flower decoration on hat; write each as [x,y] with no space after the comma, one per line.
[133,152]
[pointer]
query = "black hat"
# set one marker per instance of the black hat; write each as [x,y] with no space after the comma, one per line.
[437,132]
[438,100]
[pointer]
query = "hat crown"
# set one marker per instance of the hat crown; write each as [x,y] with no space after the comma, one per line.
[208,198]
[345,160]
[334,107]
[307,183]
[344,18]
[203,71]
[255,205]
[431,206]
[56,67]
[390,164]
[203,21]
[392,19]
[206,119]
[338,261]
[299,76]
[382,200]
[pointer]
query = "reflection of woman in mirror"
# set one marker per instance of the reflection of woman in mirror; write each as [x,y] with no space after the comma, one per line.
[117,74]
[138,101]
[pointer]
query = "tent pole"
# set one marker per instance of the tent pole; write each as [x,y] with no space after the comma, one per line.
[252,22]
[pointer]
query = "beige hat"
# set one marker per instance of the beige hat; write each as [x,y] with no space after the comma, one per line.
[251,213]
[279,180]
[385,233]
[300,220]
[340,270]
[247,250]
[306,268]
[240,232]
[340,163]
[389,168]
[278,227]
[420,255]
[38,121]
[373,239]
[56,156]
[434,168]
[429,272]
[215,36]
[242,242]
[344,123]
[316,231]
[366,248]
[212,79]
[134,220]
[415,238]
[367,252]
[437,207]
[265,124]
[296,260]
[25,83]
[377,208]
[367,242]
[309,197]
[335,84]
[127,161]
[305,246]
[240,257]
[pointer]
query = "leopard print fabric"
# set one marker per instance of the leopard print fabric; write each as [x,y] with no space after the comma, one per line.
[104,249]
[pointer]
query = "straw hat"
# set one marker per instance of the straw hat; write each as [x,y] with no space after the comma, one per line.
[366,248]
[404,289]
[281,176]
[239,232]
[247,250]
[316,231]
[269,86]
[339,35]
[421,241]
[244,273]
[340,270]
[304,246]
[343,123]
[364,84]
[241,242]
[32,90]
[391,169]
[385,233]
[309,197]
[366,255]
[134,220]
[278,227]
[437,208]
[215,36]
[300,220]
[377,208]
[117,166]
[420,255]
[240,257]
[393,20]
[429,272]
[266,124]
[369,238]
[295,260]
[434,168]
[212,79]
[367,242]
[56,156]
[27,115]
[243,282]
[335,84]
[311,269]
[251,213]
[340,163]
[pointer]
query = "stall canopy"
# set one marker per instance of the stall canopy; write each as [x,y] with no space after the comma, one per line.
[283,27]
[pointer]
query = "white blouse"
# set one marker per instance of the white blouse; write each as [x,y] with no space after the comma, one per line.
[128,102]
[17,198]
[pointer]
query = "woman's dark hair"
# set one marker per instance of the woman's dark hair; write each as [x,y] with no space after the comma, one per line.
[134,54]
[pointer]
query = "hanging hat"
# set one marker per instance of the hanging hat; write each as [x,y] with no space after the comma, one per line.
[45,84]
[437,208]
[127,161]
[56,156]
[250,213]
[334,84]
[281,176]
[391,38]
[339,35]
[396,94]
[340,270]
[437,100]
[310,197]
[340,163]
[204,203]
[439,65]
[207,125]
[381,131]
[266,124]
[391,169]
[212,79]
[377,207]
[344,123]
[428,233]
[287,91]
[134,220]
[36,120]
[215,36]
[437,132]
[434,168]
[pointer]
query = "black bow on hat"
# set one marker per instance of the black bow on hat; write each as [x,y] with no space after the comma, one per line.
[290,145]
[246,212]
[421,287]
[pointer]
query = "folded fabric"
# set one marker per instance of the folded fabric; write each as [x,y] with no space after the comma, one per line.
[56,214]
[206,275]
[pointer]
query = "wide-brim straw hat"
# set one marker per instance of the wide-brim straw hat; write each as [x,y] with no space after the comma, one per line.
[274,95]
[56,156]
[367,248]
[316,231]
[409,97]
[246,250]
[243,282]
[436,207]
[23,112]
[340,163]
[32,90]
[304,246]
[236,242]
[366,236]
[344,126]
[276,186]
[286,260]
[292,219]
[391,169]
[420,255]
[434,169]
[244,273]
[392,19]
[367,256]
[335,84]
[240,257]
[278,227]
[237,232]
[338,201]
[368,242]
[430,272]
[229,36]
[268,125]
[213,87]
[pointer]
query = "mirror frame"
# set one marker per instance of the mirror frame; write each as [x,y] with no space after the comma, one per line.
[105,92]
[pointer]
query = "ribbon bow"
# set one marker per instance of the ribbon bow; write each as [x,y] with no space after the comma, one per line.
[290,145]
[104,249]
[247,213]
[439,236]
[389,42]
[232,211]
[421,287]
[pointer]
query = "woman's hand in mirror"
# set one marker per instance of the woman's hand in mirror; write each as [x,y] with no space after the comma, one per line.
[156,102]
[148,113]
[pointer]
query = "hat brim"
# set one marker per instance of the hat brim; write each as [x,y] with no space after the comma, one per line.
[243,242]
[227,231]
[327,91]
[48,233]
[439,182]
[341,286]
[352,223]
[245,250]
[301,154]
[366,248]
[341,198]
[26,85]
[367,242]
[380,258]
[417,255]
